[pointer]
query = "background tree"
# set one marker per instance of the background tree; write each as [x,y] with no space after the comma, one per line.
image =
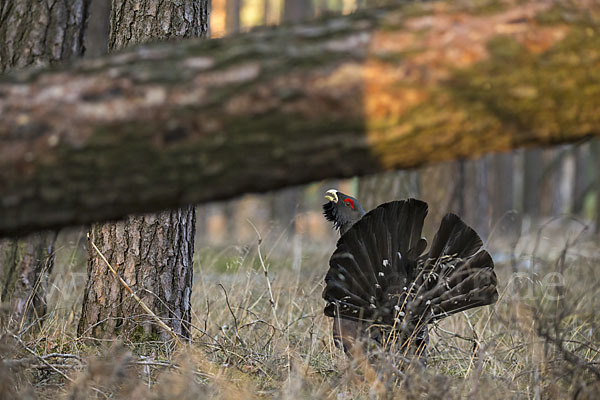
[34,33]
[153,253]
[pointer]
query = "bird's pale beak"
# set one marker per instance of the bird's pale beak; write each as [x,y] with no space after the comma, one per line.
[331,195]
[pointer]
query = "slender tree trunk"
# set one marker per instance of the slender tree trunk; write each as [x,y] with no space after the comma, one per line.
[596,158]
[233,9]
[96,40]
[266,11]
[532,182]
[25,267]
[583,181]
[284,203]
[501,186]
[476,200]
[153,253]
[298,10]
[34,34]
[439,186]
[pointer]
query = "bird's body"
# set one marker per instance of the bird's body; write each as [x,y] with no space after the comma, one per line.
[383,291]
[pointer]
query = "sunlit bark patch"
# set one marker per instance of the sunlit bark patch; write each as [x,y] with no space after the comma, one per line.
[407,70]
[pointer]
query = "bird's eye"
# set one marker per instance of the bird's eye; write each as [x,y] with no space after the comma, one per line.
[349,203]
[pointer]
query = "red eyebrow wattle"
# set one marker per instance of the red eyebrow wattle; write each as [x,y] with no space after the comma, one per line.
[349,201]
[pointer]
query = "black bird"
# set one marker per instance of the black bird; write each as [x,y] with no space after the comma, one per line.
[382,291]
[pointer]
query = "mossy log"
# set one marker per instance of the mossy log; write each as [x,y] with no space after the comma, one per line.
[169,124]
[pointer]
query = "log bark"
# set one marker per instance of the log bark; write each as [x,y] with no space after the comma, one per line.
[153,253]
[34,33]
[172,124]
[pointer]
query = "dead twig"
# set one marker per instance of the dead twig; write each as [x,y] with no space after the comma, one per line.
[266,273]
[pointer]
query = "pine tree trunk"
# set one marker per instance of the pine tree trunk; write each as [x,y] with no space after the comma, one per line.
[34,34]
[37,33]
[153,253]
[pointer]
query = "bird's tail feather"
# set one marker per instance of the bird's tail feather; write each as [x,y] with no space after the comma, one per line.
[372,259]
[455,275]
[377,274]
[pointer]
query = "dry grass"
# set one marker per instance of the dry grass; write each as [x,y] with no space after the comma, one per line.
[541,340]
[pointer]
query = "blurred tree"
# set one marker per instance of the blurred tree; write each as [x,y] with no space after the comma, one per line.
[582,183]
[596,159]
[34,33]
[96,40]
[266,12]
[153,253]
[501,187]
[532,181]
[285,203]
[233,9]
[298,10]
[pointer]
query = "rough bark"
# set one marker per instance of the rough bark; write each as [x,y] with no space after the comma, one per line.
[142,21]
[34,33]
[39,33]
[153,253]
[166,125]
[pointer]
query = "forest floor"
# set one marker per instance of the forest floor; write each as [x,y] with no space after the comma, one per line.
[541,339]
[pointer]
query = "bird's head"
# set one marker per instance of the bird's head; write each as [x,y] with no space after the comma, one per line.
[342,210]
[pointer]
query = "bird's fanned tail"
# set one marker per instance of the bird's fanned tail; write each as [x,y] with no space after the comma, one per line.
[375,259]
[378,276]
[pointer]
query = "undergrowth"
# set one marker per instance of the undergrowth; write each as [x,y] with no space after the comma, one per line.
[254,340]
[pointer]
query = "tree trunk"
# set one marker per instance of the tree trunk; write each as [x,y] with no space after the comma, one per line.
[583,181]
[25,267]
[533,169]
[233,9]
[596,158]
[284,203]
[476,200]
[501,187]
[34,34]
[298,10]
[152,253]
[172,124]
[440,186]
[38,33]
[96,40]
